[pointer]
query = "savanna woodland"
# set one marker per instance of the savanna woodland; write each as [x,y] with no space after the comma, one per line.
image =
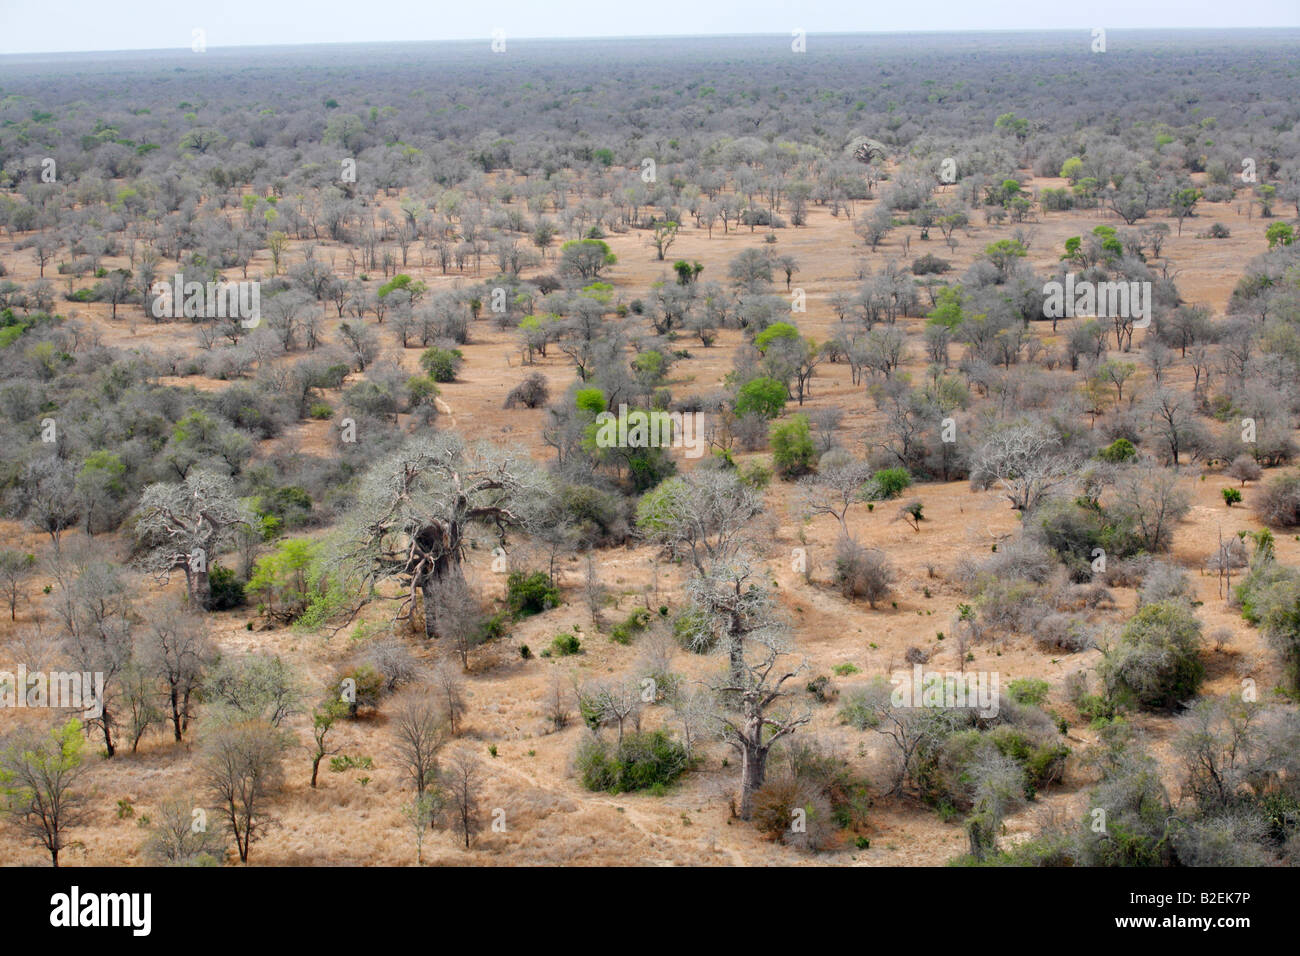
[694,451]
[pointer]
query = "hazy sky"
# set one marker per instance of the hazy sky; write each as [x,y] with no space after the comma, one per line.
[29,26]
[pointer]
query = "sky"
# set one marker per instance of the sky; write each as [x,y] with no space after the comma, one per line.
[85,25]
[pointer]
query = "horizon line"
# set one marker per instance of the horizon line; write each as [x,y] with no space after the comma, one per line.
[487,38]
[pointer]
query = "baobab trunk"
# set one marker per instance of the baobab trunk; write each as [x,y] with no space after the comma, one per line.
[446,570]
[753,768]
[753,761]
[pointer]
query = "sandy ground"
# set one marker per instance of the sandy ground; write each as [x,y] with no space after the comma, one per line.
[549,817]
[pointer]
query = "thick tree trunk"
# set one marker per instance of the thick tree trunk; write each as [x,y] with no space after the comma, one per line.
[753,768]
[202,591]
[446,569]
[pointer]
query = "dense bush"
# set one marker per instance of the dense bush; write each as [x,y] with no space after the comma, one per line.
[761,396]
[226,591]
[641,761]
[793,453]
[1156,664]
[442,364]
[1277,504]
[862,572]
[530,592]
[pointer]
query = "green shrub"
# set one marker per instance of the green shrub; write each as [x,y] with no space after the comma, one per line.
[493,626]
[755,474]
[1156,664]
[889,483]
[565,644]
[1120,450]
[225,590]
[793,451]
[1028,690]
[442,364]
[640,761]
[633,624]
[765,396]
[369,685]
[1231,496]
[529,593]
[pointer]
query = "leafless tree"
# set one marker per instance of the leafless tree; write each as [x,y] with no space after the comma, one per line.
[753,726]
[179,837]
[16,567]
[176,644]
[451,694]
[186,526]
[707,515]
[461,783]
[1024,461]
[416,508]
[833,490]
[420,731]
[242,767]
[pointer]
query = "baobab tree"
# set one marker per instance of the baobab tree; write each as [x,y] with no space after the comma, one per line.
[750,724]
[707,515]
[730,612]
[185,526]
[1024,461]
[417,508]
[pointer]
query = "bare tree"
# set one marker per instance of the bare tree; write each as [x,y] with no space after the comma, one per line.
[593,590]
[416,508]
[177,835]
[461,783]
[16,567]
[94,608]
[707,515]
[420,730]
[451,694]
[1150,498]
[185,526]
[754,726]
[177,645]
[1173,421]
[241,766]
[833,490]
[47,495]
[1024,461]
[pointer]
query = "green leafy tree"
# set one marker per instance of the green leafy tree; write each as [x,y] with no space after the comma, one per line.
[764,396]
[793,451]
[39,775]
[585,258]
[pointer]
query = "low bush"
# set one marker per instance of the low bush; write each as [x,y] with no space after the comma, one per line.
[529,593]
[641,761]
